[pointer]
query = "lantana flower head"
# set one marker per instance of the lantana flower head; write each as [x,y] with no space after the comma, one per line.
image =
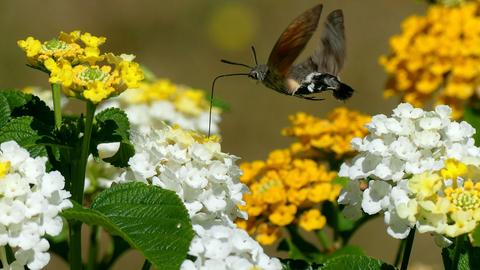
[437,57]
[447,201]
[98,82]
[75,62]
[207,181]
[285,189]
[330,136]
[30,202]
[161,100]
[395,168]
[65,46]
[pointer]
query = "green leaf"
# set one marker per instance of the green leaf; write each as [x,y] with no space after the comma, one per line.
[472,116]
[124,153]
[469,258]
[355,262]
[5,111]
[26,131]
[23,104]
[151,219]
[292,264]
[111,125]
[346,250]
[475,236]
[15,97]
[114,118]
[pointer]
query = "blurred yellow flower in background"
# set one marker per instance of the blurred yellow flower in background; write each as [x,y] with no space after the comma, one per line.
[436,57]
[327,136]
[232,26]
[186,100]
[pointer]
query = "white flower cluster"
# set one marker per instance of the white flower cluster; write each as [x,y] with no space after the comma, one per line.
[224,247]
[410,142]
[30,201]
[207,181]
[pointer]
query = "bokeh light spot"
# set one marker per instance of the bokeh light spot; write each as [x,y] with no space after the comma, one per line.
[232,26]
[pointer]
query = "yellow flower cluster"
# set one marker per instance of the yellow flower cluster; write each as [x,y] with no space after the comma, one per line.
[74,61]
[446,202]
[436,56]
[186,100]
[331,135]
[285,190]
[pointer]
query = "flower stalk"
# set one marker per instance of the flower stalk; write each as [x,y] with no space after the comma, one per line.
[57,109]
[3,258]
[398,256]
[408,249]
[78,187]
[93,250]
[146,265]
[324,241]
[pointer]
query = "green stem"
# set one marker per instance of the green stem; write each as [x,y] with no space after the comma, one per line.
[93,250]
[57,107]
[401,248]
[458,248]
[78,182]
[408,249]
[79,178]
[3,258]
[324,241]
[146,265]
[75,251]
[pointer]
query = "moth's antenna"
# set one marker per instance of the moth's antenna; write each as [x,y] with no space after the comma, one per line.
[211,95]
[234,63]
[255,55]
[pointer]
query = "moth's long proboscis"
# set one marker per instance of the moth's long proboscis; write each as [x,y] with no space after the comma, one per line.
[211,95]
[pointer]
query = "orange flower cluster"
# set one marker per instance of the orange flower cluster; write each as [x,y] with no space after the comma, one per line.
[285,190]
[437,56]
[327,136]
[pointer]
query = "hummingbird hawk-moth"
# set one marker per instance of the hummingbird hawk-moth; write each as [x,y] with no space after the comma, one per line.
[318,73]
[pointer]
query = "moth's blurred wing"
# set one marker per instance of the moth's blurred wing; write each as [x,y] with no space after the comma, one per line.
[330,54]
[293,40]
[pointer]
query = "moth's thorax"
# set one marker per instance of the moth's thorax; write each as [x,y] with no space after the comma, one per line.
[259,72]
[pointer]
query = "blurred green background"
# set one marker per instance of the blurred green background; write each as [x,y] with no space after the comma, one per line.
[184,39]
